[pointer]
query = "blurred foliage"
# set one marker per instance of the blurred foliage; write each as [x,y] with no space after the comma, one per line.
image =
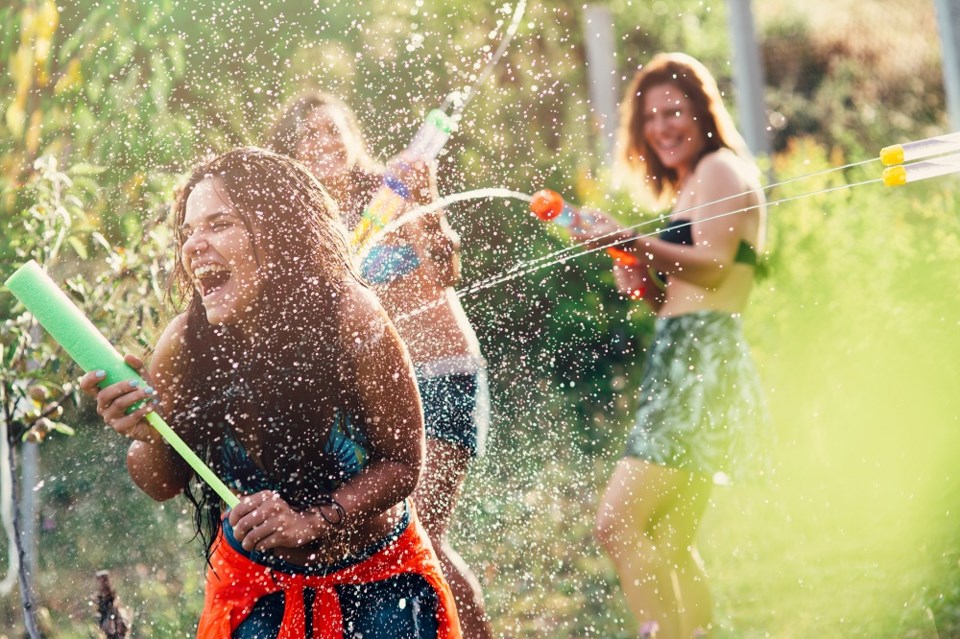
[853,75]
[105,104]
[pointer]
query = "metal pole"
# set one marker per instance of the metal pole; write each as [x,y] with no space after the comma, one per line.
[26,589]
[948,24]
[29,476]
[602,74]
[748,77]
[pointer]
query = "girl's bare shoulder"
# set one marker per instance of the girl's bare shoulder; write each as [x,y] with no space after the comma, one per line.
[723,165]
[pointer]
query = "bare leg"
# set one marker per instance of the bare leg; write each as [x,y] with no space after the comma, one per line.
[674,530]
[697,603]
[436,496]
[646,524]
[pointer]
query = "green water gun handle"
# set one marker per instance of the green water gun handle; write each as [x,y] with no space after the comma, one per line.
[90,349]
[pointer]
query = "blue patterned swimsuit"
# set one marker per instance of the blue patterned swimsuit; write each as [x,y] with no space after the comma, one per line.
[374,610]
[345,444]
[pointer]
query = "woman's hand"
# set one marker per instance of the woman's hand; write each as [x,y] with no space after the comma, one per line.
[438,244]
[631,281]
[418,176]
[264,521]
[598,229]
[114,403]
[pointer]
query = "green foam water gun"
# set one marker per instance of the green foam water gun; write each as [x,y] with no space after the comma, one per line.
[67,324]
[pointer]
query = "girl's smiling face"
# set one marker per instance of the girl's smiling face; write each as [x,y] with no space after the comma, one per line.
[325,144]
[218,255]
[671,128]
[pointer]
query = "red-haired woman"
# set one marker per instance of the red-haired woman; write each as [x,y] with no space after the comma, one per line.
[700,408]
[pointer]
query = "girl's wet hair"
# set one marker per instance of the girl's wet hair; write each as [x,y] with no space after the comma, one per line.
[700,88]
[363,178]
[284,391]
[289,128]
[293,222]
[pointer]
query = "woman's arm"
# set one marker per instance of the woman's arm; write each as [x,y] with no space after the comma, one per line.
[394,439]
[391,408]
[438,246]
[153,465]
[722,194]
[436,243]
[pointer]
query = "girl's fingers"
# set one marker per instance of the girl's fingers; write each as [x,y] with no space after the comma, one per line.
[271,540]
[254,539]
[247,507]
[243,520]
[125,423]
[88,383]
[115,400]
[251,528]
[134,362]
[110,394]
[240,513]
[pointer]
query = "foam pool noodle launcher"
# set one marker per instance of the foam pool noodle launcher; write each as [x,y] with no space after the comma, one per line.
[60,317]
[901,167]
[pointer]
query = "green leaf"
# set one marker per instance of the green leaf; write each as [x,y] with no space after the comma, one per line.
[160,81]
[101,240]
[64,429]
[178,63]
[78,246]
[85,169]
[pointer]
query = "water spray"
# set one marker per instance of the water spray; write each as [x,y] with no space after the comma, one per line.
[426,145]
[892,176]
[549,206]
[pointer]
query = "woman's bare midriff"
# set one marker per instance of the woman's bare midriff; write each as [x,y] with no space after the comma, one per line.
[438,329]
[730,297]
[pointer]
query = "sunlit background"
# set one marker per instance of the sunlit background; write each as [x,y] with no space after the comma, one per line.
[855,324]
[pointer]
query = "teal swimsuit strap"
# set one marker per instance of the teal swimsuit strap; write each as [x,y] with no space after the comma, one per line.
[387,262]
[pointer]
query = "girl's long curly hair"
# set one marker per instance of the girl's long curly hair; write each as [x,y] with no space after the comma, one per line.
[280,394]
[365,173]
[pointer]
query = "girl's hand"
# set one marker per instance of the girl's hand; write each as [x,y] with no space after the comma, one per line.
[264,521]
[631,281]
[598,228]
[114,403]
[418,176]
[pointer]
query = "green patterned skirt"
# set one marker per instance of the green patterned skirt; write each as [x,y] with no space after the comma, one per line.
[701,408]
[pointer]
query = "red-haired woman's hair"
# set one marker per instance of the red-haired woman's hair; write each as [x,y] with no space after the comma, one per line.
[700,88]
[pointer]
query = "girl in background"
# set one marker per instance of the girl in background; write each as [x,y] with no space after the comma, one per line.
[700,404]
[413,267]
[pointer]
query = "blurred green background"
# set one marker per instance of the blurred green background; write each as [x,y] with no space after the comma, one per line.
[856,326]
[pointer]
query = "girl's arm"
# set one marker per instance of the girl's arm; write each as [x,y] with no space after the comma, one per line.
[717,226]
[394,439]
[438,246]
[436,243]
[390,404]
[153,465]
